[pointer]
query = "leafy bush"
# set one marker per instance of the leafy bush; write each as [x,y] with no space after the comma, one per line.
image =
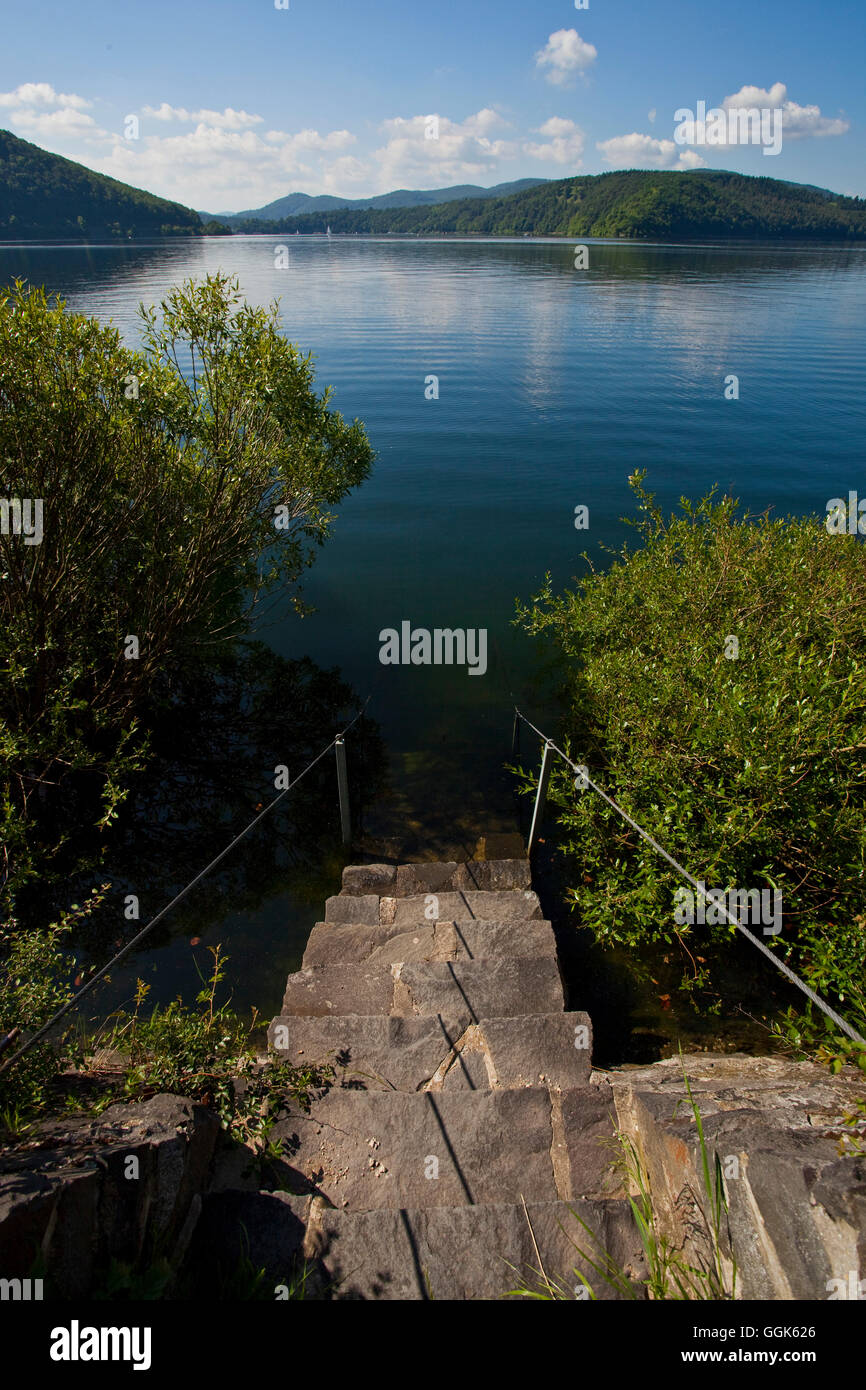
[748,770]
[180,484]
[207,1055]
[34,984]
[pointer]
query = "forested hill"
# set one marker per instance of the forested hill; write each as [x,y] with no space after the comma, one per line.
[44,195]
[643,204]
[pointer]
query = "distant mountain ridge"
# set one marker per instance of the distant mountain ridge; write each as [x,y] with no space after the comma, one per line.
[298,204]
[45,195]
[637,204]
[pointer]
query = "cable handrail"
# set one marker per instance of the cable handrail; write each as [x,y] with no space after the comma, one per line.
[750,936]
[139,936]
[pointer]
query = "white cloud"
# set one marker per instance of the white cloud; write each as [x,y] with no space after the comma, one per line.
[229,118]
[342,173]
[798,122]
[565,54]
[564,144]
[166,112]
[644,152]
[651,115]
[213,167]
[464,150]
[221,162]
[65,124]
[311,139]
[31,116]
[42,94]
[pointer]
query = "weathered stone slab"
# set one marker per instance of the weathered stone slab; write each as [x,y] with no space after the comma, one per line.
[339,989]
[497,988]
[462,907]
[494,875]
[585,1152]
[415,879]
[375,1149]
[546,1049]
[333,944]
[469,1253]
[359,879]
[465,990]
[370,1053]
[434,1053]
[363,907]
[475,875]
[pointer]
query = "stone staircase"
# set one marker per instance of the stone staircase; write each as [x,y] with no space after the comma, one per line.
[465,1128]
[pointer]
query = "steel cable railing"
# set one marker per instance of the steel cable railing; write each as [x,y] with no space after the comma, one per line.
[541,794]
[342,783]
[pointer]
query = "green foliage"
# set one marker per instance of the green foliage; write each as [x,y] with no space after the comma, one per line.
[749,771]
[181,483]
[207,1054]
[630,203]
[34,983]
[47,195]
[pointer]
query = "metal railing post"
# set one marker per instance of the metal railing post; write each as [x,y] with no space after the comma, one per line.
[540,796]
[343,789]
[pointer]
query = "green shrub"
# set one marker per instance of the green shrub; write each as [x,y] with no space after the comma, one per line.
[749,770]
[34,984]
[179,484]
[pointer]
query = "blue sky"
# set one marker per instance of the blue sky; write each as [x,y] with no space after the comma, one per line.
[239,102]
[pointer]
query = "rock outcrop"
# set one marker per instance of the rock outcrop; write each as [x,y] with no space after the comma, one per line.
[126,1187]
[796,1220]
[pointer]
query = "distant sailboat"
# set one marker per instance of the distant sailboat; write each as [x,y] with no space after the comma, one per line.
[328,233]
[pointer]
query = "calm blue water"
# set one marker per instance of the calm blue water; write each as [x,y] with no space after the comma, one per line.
[555,385]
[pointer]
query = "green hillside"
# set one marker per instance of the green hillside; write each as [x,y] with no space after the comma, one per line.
[44,195]
[635,203]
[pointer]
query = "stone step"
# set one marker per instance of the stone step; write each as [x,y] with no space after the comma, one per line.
[411,880]
[463,990]
[367,1150]
[414,1054]
[332,943]
[440,1253]
[370,909]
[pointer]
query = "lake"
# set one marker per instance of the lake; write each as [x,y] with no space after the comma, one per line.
[554,385]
